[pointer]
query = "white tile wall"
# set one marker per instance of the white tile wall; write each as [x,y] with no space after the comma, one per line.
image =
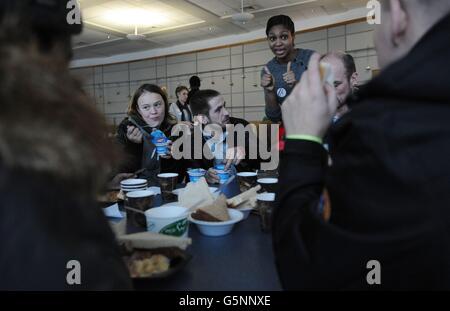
[311,36]
[232,71]
[336,44]
[336,31]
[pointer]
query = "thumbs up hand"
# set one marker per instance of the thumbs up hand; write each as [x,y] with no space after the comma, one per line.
[267,81]
[289,76]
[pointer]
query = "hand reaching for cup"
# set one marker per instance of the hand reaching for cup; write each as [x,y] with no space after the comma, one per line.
[211,176]
[289,76]
[267,80]
[234,156]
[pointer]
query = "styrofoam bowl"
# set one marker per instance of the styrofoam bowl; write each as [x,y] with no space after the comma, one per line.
[210,228]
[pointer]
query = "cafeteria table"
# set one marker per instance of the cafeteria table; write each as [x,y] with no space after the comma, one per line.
[240,261]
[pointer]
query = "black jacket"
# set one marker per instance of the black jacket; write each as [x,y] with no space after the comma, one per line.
[389,184]
[45,223]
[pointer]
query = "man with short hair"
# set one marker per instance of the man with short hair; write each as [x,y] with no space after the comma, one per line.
[345,78]
[388,186]
[208,108]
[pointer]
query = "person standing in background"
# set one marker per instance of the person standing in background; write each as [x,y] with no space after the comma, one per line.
[194,85]
[181,109]
[280,75]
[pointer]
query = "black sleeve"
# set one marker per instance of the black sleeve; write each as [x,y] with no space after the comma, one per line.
[48,225]
[131,153]
[302,173]
[312,254]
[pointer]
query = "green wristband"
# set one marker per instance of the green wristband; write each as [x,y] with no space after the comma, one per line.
[305,137]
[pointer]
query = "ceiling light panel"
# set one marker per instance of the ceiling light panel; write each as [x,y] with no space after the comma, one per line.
[146,15]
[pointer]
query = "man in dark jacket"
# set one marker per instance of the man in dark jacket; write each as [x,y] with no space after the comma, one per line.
[390,179]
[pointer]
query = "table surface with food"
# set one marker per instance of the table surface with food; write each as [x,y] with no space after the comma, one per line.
[225,248]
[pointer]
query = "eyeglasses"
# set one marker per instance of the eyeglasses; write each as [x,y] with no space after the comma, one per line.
[148,107]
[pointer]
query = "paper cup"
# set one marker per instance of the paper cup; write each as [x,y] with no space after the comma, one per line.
[265,203]
[219,167]
[268,184]
[196,174]
[167,183]
[139,200]
[169,220]
[223,176]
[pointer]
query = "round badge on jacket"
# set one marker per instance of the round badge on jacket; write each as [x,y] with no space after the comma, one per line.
[281,92]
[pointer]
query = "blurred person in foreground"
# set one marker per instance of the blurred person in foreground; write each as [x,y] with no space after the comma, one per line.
[52,162]
[390,177]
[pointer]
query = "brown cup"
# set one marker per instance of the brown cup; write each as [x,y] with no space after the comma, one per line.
[167,183]
[246,180]
[265,203]
[268,184]
[138,200]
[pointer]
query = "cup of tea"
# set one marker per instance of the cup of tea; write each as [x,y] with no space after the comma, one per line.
[139,201]
[268,184]
[246,180]
[167,183]
[265,203]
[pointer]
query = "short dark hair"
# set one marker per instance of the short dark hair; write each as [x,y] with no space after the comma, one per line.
[179,89]
[347,60]
[200,101]
[194,82]
[284,20]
